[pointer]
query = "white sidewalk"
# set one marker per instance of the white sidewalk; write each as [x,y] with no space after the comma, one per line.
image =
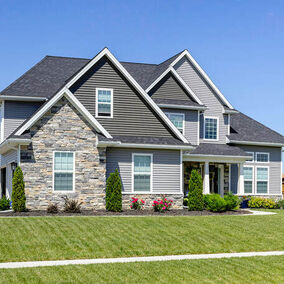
[135,259]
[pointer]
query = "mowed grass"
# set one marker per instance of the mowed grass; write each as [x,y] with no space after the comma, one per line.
[53,238]
[237,270]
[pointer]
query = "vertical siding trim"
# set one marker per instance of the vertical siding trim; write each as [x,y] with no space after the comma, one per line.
[2,120]
[230,178]
[181,173]
[198,128]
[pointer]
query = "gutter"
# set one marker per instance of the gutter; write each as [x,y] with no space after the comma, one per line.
[118,144]
[230,111]
[182,107]
[22,98]
[256,143]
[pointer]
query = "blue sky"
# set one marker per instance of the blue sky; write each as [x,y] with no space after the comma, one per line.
[239,43]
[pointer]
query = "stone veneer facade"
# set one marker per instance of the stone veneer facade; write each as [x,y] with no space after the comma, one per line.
[63,128]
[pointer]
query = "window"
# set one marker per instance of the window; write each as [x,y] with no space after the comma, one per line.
[104,103]
[142,172]
[262,157]
[177,119]
[252,155]
[211,128]
[63,171]
[261,180]
[248,180]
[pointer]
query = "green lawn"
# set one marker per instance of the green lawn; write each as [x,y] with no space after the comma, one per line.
[242,270]
[46,238]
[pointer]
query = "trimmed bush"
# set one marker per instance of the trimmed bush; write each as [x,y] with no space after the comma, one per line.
[113,192]
[195,194]
[4,203]
[232,201]
[216,203]
[18,191]
[206,197]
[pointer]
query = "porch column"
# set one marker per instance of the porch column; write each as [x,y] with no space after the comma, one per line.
[241,190]
[206,184]
[221,177]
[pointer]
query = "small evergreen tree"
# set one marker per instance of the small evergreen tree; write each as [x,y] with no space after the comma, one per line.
[18,191]
[195,194]
[113,192]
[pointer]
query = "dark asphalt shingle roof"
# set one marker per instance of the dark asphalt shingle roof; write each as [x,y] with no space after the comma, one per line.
[144,140]
[244,128]
[218,150]
[48,75]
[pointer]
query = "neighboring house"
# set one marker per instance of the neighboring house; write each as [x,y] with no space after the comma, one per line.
[70,122]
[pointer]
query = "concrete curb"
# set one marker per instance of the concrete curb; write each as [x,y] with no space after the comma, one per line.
[7,265]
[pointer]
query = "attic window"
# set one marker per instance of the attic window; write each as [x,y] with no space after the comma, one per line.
[104,103]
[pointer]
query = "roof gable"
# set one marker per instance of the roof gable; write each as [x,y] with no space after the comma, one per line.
[72,99]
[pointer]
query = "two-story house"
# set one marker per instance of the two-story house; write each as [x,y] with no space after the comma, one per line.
[70,122]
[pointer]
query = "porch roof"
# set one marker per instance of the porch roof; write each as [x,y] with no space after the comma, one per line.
[217,152]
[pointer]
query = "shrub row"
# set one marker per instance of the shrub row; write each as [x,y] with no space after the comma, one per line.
[267,203]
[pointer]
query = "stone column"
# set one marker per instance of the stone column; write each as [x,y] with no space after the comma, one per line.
[241,190]
[206,183]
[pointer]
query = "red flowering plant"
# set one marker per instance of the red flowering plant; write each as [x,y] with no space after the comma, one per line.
[137,204]
[162,205]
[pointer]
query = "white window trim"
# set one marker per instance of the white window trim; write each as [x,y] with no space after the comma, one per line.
[53,173]
[253,157]
[183,119]
[256,180]
[268,154]
[252,180]
[213,117]
[151,173]
[111,102]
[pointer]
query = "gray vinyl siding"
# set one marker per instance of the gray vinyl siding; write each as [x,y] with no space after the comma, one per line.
[131,114]
[274,165]
[190,124]
[15,113]
[169,88]
[207,96]
[166,168]
[6,160]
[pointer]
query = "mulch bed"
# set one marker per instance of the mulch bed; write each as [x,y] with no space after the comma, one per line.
[182,212]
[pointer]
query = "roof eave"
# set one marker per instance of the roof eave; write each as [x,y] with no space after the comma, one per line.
[182,107]
[22,98]
[10,143]
[119,144]
[255,143]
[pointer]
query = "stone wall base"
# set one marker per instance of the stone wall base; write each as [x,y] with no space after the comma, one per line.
[149,198]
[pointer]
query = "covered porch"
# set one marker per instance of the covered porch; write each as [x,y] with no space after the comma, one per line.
[215,162]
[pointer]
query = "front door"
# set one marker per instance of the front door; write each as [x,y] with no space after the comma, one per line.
[3,182]
[214,179]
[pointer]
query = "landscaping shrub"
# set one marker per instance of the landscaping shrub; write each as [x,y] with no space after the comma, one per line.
[71,205]
[136,204]
[52,209]
[18,191]
[232,201]
[162,205]
[4,203]
[216,203]
[113,192]
[185,201]
[195,192]
[205,199]
[260,202]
